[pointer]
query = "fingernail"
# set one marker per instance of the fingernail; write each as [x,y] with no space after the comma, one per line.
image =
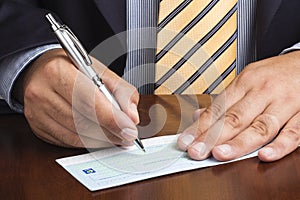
[267,151]
[225,149]
[129,134]
[187,140]
[200,148]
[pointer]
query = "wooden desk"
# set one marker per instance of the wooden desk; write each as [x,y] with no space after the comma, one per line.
[29,171]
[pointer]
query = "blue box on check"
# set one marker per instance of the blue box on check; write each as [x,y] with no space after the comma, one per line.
[89,171]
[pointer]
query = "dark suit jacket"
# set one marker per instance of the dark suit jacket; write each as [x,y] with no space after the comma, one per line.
[23,25]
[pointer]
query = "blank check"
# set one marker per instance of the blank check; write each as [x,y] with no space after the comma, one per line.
[118,166]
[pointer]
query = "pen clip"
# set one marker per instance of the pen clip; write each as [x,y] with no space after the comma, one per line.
[78,45]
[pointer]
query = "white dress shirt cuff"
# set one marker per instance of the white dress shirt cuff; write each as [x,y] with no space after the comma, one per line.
[12,66]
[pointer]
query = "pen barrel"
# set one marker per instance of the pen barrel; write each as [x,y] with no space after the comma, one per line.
[71,50]
[105,91]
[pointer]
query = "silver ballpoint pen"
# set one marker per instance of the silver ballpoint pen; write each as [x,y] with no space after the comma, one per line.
[82,61]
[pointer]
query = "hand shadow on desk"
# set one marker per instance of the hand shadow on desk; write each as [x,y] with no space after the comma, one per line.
[278,166]
[253,166]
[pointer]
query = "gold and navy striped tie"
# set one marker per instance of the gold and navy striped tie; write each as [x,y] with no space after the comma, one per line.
[197,44]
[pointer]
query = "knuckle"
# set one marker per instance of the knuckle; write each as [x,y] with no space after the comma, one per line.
[135,93]
[233,119]
[132,93]
[266,126]
[215,111]
[292,133]
[246,75]
[296,126]
[251,66]
[260,127]
[28,114]
[268,85]
[51,69]
[32,92]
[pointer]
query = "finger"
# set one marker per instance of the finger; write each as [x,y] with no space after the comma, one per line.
[197,114]
[91,103]
[83,142]
[81,125]
[220,104]
[125,94]
[59,110]
[235,120]
[258,134]
[87,128]
[128,98]
[66,138]
[88,100]
[56,134]
[56,108]
[263,129]
[32,116]
[287,141]
[184,141]
[49,129]
[116,121]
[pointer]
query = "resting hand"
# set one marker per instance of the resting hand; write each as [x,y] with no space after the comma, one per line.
[65,108]
[260,106]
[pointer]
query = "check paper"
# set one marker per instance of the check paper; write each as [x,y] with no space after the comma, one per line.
[118,166]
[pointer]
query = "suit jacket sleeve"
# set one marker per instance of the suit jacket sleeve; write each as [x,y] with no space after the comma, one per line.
[17,63]
[23,26]
[277,28]
[23,36]
[24,29]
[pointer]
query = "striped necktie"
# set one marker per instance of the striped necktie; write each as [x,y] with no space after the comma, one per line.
[196,46]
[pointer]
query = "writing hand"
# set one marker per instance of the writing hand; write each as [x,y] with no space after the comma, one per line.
[260,106]
[64,107]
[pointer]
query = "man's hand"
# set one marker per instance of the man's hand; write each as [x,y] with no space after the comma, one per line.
[260,106]
[65,108]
